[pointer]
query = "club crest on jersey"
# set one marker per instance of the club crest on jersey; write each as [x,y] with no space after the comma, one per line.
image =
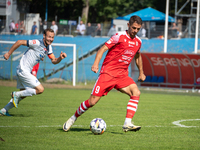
[34,41]
[110,41]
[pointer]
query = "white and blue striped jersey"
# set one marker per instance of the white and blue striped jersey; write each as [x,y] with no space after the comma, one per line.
[36,52]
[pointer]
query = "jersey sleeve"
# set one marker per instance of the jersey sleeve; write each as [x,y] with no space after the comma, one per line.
[50,51]
[112,41]
[138,42]
[33,43]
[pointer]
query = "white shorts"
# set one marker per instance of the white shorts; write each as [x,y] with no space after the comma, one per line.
[26,80]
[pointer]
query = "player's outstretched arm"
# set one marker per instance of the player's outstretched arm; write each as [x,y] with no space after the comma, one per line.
[14,47]
[95,66]
[55,60]
[138,60]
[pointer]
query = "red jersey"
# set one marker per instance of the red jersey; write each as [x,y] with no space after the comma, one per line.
[35,69]
[122,49]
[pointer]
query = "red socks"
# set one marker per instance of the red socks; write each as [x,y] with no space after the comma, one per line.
[82,108]
[132,106]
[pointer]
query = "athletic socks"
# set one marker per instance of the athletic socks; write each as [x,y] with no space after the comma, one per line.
[27,92]
[8,106]
[131,108]
[19,94]
[82,108]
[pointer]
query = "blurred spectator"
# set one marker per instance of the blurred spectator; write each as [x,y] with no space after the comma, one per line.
[142,32]
[34,28]
[12,26]
[41,26]
[54,27]
[81,28]
[98,29]
[65,31]
[89,29]
[1,25]
[17,29]
[112,31]
[22,27]
[180,22]
[44,25]
[174,30]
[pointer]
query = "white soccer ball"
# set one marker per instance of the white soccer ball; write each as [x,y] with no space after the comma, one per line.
[98,126]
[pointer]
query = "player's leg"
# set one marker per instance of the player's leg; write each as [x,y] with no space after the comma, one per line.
[10,105]
[18,96]
[96,94]
[81,109]
[5,109]
[30,85]
[134,93]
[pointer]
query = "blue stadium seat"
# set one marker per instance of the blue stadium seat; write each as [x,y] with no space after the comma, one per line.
[160,79]
[154,79]
[148,79]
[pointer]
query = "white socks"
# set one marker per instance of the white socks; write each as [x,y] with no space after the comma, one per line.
[8,106]
[73,117]
[27,92]
[127,121]
[24,93]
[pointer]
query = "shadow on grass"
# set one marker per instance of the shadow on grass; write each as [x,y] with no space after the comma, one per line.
[76,129]
[82,129]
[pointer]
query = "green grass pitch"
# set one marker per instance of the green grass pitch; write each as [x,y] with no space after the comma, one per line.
[37,122]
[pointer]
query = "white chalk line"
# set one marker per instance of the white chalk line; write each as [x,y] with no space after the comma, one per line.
[177,123]
[180,125]
[46,126]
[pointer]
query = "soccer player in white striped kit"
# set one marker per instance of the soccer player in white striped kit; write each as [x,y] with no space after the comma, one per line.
[122,48]
[26,82]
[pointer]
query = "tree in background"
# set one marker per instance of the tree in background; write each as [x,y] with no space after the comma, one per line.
[93,10]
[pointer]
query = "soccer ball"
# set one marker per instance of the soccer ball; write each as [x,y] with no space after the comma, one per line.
[98,126]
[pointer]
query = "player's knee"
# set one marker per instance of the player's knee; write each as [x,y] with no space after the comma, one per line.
[136,92]
[40,90]
[93,100]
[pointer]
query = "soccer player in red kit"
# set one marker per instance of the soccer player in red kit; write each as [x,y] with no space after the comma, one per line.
[35,69]
[122,48]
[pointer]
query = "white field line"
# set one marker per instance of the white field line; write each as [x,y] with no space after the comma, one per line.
[51,126]
[181,125]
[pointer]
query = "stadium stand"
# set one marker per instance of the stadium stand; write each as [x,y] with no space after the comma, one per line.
[86,48]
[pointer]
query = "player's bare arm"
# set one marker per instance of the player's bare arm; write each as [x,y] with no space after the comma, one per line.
[14,47]
[138,60]
[55,60]
[95,66]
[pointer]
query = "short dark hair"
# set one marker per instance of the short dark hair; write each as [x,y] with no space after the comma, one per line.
[136,19]
[48,30]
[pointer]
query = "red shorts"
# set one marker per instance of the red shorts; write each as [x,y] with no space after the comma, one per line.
[105,83]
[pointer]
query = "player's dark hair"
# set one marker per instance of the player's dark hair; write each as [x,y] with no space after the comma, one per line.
[136,19]
[48,30]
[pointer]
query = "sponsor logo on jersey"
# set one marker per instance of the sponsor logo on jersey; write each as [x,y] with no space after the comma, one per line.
[130,52]
[131,42]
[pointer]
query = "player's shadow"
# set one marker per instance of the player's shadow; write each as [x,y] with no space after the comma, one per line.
[116,132]
[76,129]
[82,129]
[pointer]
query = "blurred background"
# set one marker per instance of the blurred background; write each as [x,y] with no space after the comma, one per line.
[27,19]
